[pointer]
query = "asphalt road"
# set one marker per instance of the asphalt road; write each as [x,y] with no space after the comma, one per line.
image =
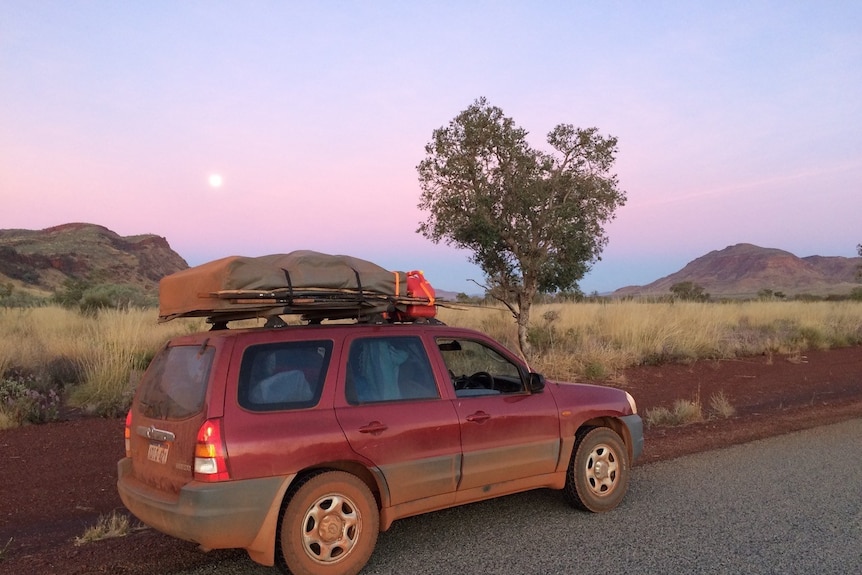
[786,505]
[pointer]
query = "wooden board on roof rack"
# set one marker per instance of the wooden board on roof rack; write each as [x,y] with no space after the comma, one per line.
[314,285]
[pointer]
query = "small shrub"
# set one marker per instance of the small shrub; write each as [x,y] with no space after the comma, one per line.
[720,406]
[112,296]
[62,371]
[595,371]
[107,527]
[21,402]
[684,411]
[542,338]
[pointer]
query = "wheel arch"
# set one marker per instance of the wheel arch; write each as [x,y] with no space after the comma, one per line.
[613,423]
[263,551]
[373,480]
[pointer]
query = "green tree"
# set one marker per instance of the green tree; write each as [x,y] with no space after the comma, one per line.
[72,291]
[690,291]
[533,220]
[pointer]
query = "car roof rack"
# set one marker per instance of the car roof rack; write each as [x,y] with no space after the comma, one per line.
[315,306]
[310,284]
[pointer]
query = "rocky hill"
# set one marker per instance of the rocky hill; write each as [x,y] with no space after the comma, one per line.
[744,270]
[42,260]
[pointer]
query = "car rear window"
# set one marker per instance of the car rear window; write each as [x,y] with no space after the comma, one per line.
[175,384]
[389,369]
[285,375]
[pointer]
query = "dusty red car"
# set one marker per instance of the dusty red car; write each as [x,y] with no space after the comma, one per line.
[301,443]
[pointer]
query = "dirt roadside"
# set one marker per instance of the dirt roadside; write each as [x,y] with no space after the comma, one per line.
[57,479]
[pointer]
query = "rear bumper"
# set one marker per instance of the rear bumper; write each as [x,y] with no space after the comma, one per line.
[229,514]
[635,426]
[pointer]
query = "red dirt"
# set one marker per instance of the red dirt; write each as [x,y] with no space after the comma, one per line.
[57,479]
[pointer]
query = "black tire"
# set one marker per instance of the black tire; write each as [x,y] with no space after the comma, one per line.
[598,475]
[328,527]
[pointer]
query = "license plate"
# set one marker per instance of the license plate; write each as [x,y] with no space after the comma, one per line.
[158,452]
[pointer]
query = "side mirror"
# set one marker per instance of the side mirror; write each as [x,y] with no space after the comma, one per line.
[537,382]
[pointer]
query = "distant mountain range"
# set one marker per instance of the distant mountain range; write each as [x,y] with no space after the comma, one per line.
[744,270]
[41,260]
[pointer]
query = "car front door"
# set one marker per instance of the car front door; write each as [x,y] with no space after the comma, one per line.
[507,432]
[393,415]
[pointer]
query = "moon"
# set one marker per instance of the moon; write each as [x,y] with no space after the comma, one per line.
[216,180]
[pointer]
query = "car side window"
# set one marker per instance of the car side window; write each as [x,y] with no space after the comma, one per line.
[477,369]
[389,369]
[287,375]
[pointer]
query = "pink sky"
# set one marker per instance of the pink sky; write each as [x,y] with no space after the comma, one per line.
[736,123]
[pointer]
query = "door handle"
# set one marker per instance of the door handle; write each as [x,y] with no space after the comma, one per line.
[373,427]
[479,417]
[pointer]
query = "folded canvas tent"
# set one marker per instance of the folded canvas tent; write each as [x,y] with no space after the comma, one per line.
[315,285]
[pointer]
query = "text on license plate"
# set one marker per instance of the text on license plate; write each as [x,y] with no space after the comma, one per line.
[158,452]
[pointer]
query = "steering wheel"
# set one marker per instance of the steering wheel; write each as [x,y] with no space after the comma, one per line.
[478,379]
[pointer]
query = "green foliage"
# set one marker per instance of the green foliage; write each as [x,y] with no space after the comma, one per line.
[22,401]
[112,296]
[71,293]
[768,294]
[595,371]
[89,297]
[689,291]
[534,221]
[856,294]
[10,298]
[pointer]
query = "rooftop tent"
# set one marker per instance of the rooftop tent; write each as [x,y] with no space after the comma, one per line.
[302,281]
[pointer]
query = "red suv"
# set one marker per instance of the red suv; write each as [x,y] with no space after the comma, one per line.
[301,443]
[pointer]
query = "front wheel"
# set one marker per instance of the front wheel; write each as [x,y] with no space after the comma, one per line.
[598,474]
[329,526]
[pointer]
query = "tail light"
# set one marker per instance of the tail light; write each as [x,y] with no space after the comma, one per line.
[210,453]
[127,434]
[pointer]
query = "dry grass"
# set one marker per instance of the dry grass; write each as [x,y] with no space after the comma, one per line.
[720,406]
[104,348]
[684,411]
[107,527]
[597,340]
[5,547]
[593,341]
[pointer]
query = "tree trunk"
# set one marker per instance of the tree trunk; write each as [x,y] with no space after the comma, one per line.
[525,301]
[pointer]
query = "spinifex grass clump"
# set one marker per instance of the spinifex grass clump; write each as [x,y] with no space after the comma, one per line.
[683,411]
[107,527]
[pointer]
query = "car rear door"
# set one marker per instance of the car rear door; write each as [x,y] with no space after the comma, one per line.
[394,416]
[168,412]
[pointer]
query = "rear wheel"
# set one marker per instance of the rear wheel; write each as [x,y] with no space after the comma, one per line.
[598,474]
[329,526]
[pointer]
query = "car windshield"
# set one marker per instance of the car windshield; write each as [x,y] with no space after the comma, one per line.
[174,385]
